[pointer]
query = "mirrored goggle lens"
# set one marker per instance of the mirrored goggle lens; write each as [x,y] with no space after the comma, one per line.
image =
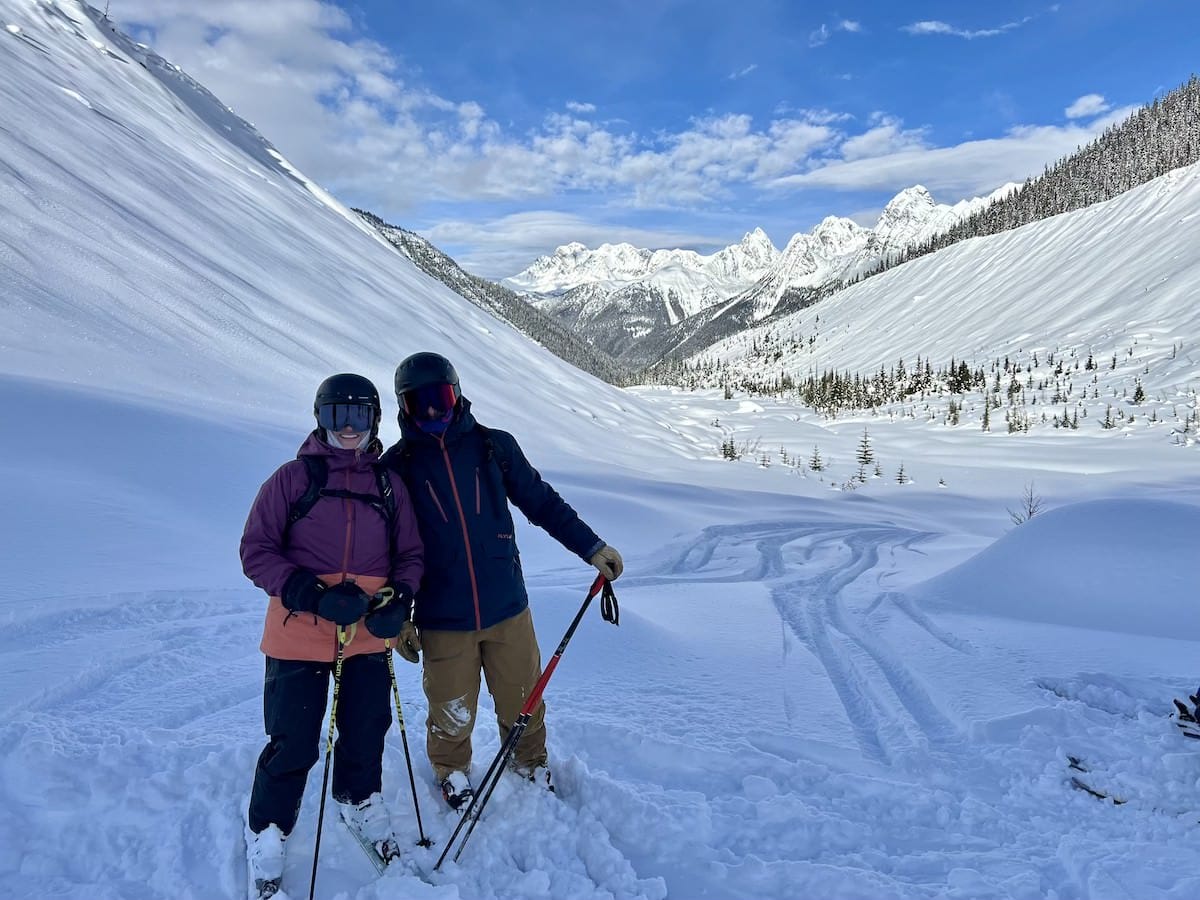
[358,417]
[438,397]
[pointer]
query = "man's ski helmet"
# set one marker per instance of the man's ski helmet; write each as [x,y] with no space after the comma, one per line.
[425,370]
[347,399]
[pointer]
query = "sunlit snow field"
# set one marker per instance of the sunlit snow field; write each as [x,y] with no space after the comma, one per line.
[819,688]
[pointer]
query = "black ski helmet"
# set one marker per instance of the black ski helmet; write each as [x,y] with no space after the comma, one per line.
[422,369]
[348,388]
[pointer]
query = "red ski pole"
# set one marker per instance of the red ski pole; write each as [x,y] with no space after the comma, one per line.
[496,769]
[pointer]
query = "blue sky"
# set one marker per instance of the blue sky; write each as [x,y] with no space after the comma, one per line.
[503,130]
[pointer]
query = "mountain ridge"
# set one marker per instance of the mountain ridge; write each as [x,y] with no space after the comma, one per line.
[627,301]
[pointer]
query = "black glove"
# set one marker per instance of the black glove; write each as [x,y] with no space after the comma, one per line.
[392,607]
[302,592]
[343,604]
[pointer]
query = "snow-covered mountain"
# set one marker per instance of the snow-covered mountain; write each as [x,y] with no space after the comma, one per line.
[626,300]
[242,261]
[691,279]
[1115,281]
[838,249]
[618,295]
[908,671]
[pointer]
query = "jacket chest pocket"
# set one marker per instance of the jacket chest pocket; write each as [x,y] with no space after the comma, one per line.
[437,503]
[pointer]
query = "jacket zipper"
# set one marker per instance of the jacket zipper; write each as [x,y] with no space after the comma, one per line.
[477,491]
[462,518]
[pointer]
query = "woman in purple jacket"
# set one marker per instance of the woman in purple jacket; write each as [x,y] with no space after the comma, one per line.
[332,540]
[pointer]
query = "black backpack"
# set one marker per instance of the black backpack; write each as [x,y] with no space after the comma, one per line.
[383,503]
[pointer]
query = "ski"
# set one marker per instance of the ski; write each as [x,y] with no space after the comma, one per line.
[1080,784]
[1188,720]
[391,849]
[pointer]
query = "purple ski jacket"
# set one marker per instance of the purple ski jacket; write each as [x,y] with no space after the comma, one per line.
[340,539]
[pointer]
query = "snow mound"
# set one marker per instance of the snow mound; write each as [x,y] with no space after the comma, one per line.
[1117,565]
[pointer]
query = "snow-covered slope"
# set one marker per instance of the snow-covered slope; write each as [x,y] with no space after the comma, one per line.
[802,699]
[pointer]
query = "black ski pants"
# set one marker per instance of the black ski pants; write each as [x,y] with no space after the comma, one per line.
[294,698]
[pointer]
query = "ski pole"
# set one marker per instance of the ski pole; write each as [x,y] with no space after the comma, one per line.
[412,783]
[337,683]
[496,769]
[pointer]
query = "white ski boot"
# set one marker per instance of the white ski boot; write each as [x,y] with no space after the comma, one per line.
[371,823]
[264,862]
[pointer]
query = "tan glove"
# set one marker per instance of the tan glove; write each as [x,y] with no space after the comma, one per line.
[608,561]
[408,644]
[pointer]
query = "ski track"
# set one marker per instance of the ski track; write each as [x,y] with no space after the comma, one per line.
[813,608]
[824,579]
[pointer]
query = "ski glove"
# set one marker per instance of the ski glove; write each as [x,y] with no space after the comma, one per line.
[390,609]
[608,561]
[409,644]
[343,604]
[302,592]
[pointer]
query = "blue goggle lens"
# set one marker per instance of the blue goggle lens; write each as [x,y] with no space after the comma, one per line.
[358,417]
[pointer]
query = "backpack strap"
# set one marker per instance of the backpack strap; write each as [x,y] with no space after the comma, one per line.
[318,474]
[383,503]
[387,498]
[491,452]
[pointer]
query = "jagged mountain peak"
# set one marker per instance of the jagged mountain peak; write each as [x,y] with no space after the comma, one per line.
[669,285]
[684,279]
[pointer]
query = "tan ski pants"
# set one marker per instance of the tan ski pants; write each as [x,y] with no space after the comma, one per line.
[509,657]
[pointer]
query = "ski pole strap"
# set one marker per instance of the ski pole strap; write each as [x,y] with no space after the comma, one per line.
[608,604]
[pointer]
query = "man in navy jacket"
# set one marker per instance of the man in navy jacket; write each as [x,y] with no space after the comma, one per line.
[472,608]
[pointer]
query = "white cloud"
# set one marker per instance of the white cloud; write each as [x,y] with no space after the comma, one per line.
[886,136]
[344,111]
[938,27]
[351,115]
[734,76]
[1087,106]
[968,169]
[822,35]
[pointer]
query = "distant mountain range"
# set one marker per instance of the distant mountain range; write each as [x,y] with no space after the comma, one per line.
[633,303]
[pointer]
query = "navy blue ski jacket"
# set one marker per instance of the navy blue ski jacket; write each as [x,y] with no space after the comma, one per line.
[460,484]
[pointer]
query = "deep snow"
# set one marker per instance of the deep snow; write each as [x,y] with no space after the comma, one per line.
[813,691]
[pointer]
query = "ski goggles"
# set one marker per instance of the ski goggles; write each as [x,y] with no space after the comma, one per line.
[358,417]
[430,402]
